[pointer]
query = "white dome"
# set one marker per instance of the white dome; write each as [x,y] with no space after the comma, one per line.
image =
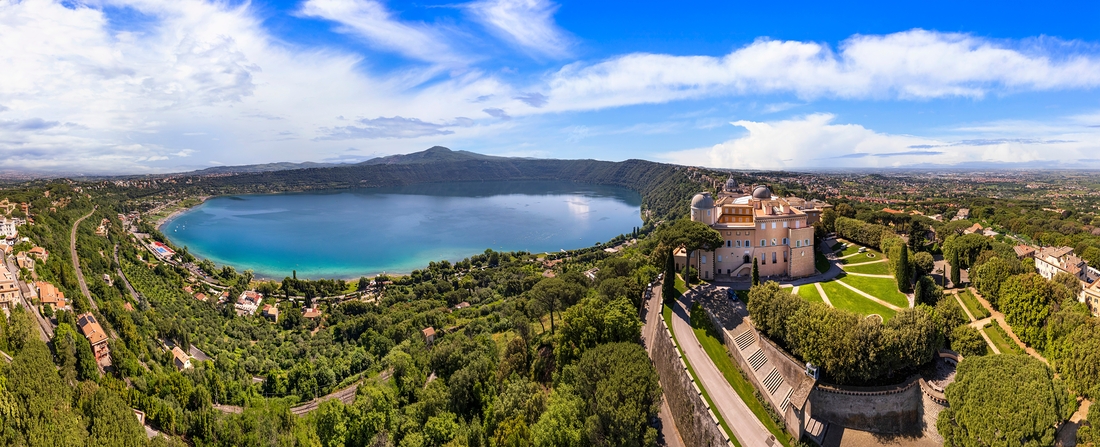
[702,200]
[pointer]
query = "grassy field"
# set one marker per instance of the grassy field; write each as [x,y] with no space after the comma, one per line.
[809,292]
[681,286]
[710,339]
[973,305]
[873,268]
[885,289]
[1001,339]
[667,312]
[843,298]
[853,248]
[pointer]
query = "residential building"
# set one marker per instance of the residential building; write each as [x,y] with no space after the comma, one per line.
[49,295]
[39,253]
[963,214]
[760,227]
[270,312]
[248,302]
[1024,251]
[8,227]
[312,313]
[180,359]
[1052,260]
[9,288]
[24,261]
[96,336]
[1090,295]
[976,228]
[429,335]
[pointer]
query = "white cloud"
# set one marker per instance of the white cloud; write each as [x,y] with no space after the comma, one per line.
[529,24]
[83,96]
[816,141]
[371,20]
[915,64]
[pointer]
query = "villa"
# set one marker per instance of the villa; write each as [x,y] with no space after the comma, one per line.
[9,290]
[775,232]
[96,337]
[181,360]
[248,302]
[48,295]
[1052,260]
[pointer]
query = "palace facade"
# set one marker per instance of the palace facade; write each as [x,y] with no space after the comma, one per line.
[777,232]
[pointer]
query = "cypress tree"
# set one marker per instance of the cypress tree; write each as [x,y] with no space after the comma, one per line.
[755,272]
[954,268]
[668,290]
[903,271]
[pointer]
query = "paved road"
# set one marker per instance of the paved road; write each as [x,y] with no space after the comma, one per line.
[45,328]
[651,324]
[76,260]
[746,427]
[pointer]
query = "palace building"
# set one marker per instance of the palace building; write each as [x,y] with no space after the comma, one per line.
[777,232]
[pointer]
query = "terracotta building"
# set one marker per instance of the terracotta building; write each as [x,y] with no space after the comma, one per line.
[760,226]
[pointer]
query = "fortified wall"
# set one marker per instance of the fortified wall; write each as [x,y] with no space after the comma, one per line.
[697,425]
[805,405]
[893,409]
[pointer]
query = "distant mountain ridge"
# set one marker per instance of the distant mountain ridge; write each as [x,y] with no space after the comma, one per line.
[665,188]
[434,154]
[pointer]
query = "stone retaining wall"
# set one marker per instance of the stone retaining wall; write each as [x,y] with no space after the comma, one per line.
[697,424]
[794,419]
[897,409]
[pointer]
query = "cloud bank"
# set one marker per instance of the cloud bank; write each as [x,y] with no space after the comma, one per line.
[196,81]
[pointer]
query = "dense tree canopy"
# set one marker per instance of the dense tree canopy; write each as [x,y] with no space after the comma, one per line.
[1003,400]
[849,348]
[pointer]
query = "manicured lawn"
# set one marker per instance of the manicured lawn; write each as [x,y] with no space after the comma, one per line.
[873,268]
[681,286]
[1001,339]
[808,292]
[842,298]
[667,312]
[885,289]
[854,248]
[973,305]
[714,347]
[821,262]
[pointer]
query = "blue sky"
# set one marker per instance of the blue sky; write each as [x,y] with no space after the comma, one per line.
[129,86]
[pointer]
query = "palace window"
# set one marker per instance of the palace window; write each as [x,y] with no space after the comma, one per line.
[784,256]
[773,242]
[746,243]
[773,257]
[784,224]
[763,260]
[739,243]
[704,260]
[719,258]
[773,225]
[763,243]
[797,244]
[729,243]
[798,224]
[763,226]
[785,241]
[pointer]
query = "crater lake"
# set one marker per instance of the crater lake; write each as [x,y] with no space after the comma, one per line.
[362,232]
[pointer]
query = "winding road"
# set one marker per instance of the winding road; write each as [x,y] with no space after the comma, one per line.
[745,425]
[76,260]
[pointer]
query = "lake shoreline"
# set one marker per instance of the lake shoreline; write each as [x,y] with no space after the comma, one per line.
[506,216]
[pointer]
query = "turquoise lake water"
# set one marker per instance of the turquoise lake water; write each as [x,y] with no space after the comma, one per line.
[352,233]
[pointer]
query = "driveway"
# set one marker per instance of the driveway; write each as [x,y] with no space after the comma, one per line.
[746,427]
